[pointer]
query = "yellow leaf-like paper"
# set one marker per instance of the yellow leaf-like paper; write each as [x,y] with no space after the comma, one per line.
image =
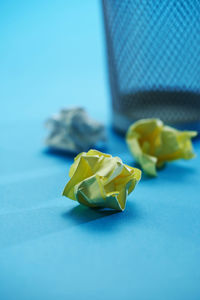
[100,180]
[152,144]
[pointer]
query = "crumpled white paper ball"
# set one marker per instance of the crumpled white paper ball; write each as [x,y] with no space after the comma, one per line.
[73,130]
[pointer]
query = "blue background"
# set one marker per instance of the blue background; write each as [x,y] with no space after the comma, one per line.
[52,56]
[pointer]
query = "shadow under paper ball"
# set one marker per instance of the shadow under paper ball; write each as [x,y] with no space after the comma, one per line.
[107,220]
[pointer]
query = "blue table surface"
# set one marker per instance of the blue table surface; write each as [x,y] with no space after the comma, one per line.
[52,56]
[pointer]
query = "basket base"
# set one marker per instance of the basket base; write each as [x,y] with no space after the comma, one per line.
[180,109]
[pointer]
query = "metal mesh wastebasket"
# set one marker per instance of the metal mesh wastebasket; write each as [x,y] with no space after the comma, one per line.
[153,51]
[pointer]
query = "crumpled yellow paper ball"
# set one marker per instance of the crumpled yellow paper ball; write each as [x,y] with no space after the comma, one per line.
[100,180]
[152,144]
